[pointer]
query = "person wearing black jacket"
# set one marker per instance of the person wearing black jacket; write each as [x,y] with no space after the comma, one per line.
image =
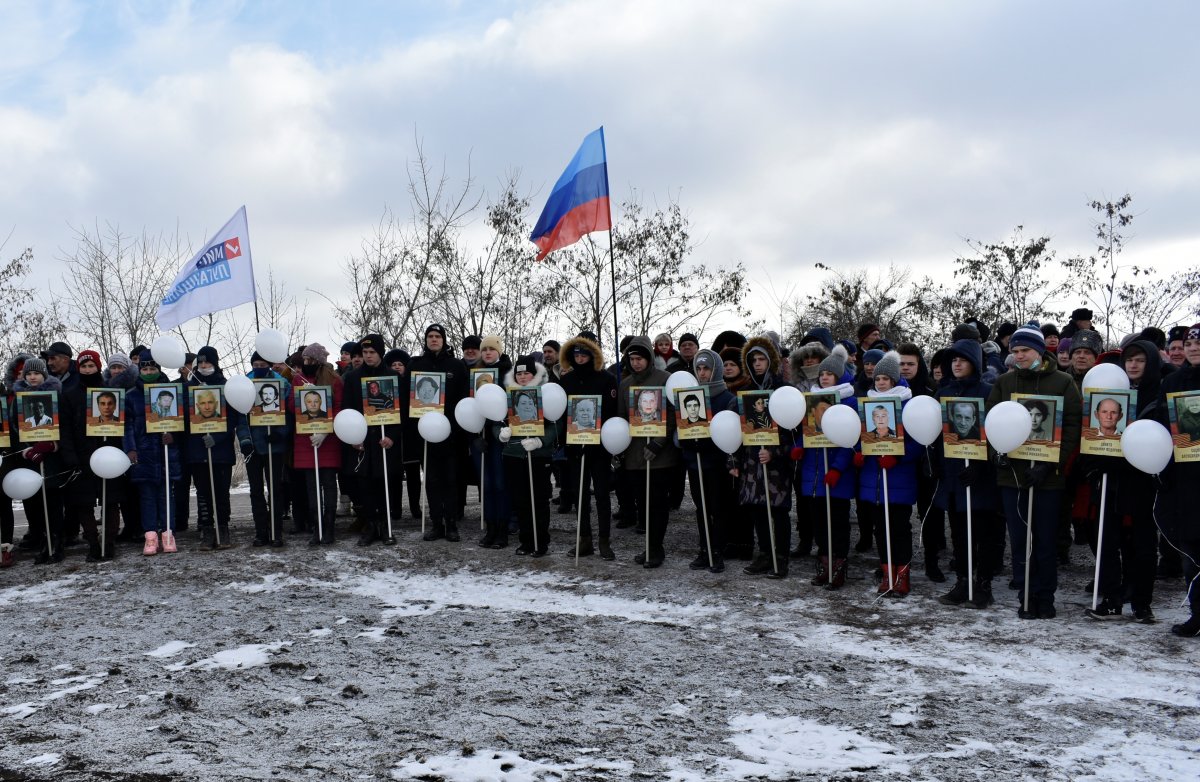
[581,364]
[717,496]
[382,443]
[442,478]
[1176,507]
[212,496]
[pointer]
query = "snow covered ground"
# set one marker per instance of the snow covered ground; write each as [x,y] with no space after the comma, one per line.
[449,662]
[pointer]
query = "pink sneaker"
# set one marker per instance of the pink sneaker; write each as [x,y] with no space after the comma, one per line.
[151,546]
[168,543]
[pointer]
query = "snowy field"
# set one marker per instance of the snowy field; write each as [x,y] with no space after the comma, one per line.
[449,662]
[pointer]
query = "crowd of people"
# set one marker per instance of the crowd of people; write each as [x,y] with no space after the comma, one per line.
[770,505]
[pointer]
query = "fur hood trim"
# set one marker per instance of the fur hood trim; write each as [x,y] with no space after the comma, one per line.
[565,363]
[768,346]
[539,377]
[811,350]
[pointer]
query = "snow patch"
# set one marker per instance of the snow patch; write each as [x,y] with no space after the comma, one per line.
[45,760]
[525,593]
[170,649]
[44,592]
[481,766]
[320,632]
[241,658]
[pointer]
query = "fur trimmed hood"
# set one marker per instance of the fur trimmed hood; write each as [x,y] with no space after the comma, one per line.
[51,383]
[809,350]
[766,345]
[566,364]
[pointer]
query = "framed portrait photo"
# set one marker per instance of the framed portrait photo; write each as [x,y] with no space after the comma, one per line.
[37,417]
[313,409]
[1045,438]
[380,400]
[1106,413]
[105,412]
[1183,407]
[963,433]
[269,408]
[647,411]
[882,426]
[525,416]
[481,377]
[164,407]
[426,393]
[817,402]
[693,413]
[207,412]
[5,432]
[583,419]
[758,427]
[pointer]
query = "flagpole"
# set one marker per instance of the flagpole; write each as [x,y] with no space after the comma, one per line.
[612,263]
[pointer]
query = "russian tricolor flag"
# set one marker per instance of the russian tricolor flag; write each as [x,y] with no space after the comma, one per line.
[578,204]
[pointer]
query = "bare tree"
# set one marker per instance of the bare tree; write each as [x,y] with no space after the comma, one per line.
[1104,293]
[114,284]
[503,291]
[393,282]
[28,320]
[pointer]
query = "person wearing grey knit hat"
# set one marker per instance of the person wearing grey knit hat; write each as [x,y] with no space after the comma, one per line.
[34,365]
[834,363]
[889,366]
[1086,348]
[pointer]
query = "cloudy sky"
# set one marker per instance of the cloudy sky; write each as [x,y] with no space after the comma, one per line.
[851,133]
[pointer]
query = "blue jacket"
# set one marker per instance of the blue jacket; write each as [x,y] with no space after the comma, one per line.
[149,447]
[280,435]
[951,494]
[812,466]
[902,479]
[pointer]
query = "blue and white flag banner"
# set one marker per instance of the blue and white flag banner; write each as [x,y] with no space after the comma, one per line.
[219,277]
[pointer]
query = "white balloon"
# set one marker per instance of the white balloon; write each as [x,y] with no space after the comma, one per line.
[272,345]
[922,419]
[841,425]
[726,431]
[679,379]
[493,402]
[434,427]
[554,401]
[1147,445]
[22,483]
[469,416]
[167,351]
[108,462]
[1106,376]
[1007,425]
[614,435]
[787,406]
[239,393]
[350,427]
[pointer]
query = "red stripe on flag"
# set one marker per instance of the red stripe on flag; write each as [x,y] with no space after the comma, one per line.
[583,219]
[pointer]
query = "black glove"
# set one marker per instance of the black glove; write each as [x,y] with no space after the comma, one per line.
[1037,474]
[969,475]
[1001,460]
[247,447]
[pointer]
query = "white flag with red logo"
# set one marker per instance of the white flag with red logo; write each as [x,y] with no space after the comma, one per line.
[220,276]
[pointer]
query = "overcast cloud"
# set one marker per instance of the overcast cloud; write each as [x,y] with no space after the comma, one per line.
[792,132]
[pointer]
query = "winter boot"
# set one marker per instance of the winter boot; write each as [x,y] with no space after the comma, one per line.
[435,532]
[606,552]
[885,585]
[93,554]
[933,572]
[150,545]
[700,562]
[839,574]
[369,534]
[902,581]
[384,536]
[1188,629]
[585,547]
[760,565]
[208,539]
[983,594]
[53,554]
[780,572]
[958,593]
[168,543]
[822,576]
[6,555]
[1108,609]
[452,530]
[489,537]
[718,564]
[224,538]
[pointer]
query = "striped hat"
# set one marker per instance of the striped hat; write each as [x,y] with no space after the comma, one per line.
[1028,336]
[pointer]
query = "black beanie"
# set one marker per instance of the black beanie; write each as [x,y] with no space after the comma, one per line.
[590,335]
[208,353]
[375,342]
[470,342]
[394,355]
[552,343]
[435,327]
[255,357]
[351,347]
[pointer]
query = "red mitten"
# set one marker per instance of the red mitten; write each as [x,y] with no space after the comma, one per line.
[797,453]
[888,462]
[832,477]
[858,459]
[39,451]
